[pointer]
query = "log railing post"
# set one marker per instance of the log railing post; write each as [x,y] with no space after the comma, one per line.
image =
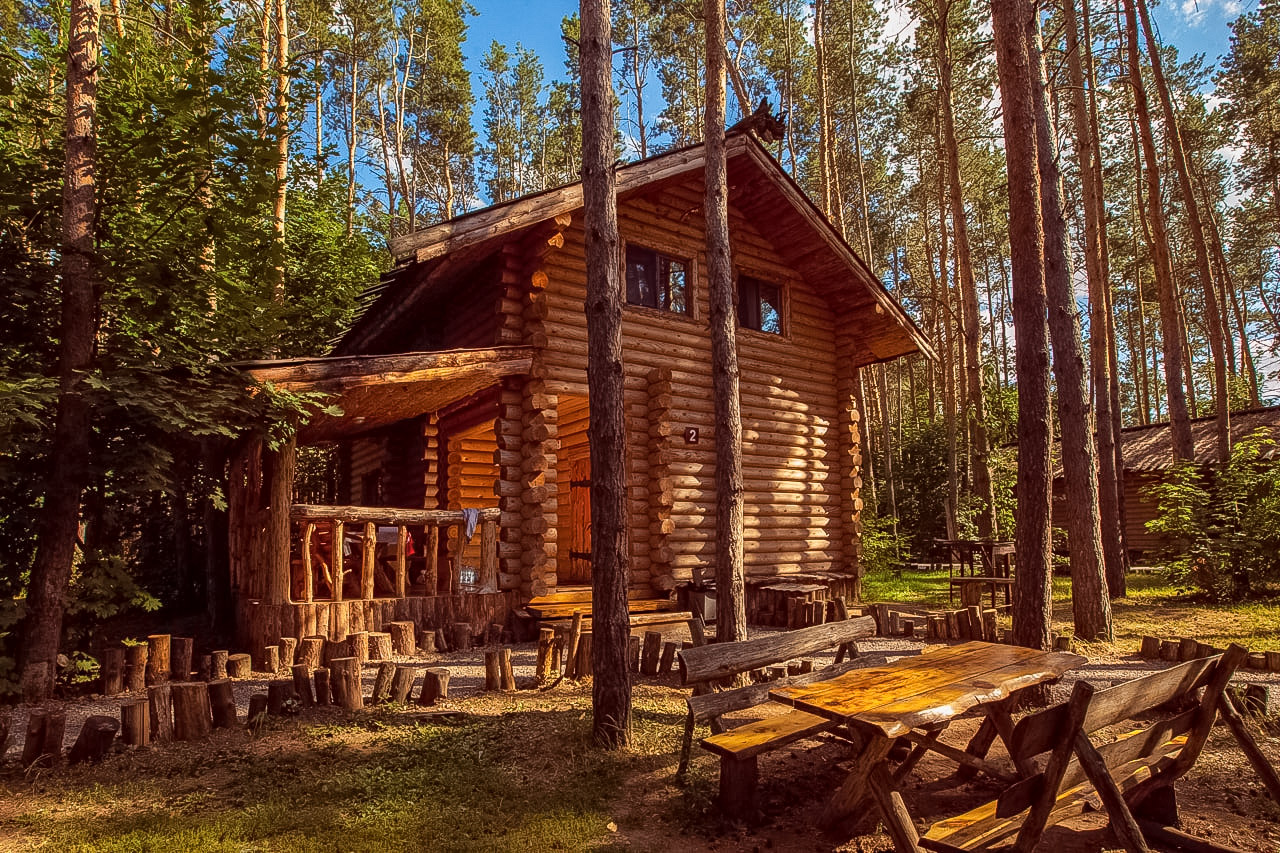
[433,559]
[455,564]
[339,530]
[308,533]
[367,564]
[488,556]
[402,540]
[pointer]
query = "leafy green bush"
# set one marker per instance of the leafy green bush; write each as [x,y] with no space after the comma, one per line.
[1225,524]
[882,546]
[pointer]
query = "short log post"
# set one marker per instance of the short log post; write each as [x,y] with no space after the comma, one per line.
[989,625]
[222,704]
[1187,648]
[279,692]
[4,734]
[161,700]
[492,674]
[442,641]
[310,651]
[975,621]
[180,652]
[575,637]
[157,658]
[582,668]
[45,730]
[1149,648]
[112,673]
[359,646]
[192,714]
[461,637]
[269,661]
[135,722]
[218,659]
[402,683]
[435,685]
[95,739]
[320,676]
[204,668]
[738,783]
[668,658]
[257,709]
[426,641]
[633,653]
[1063,643]
[302,684]
[402,638]
[382,684]
[135,668]
[493,634]
[1169,650]
[337,649]
[379,646]
[650,652]
[238,666]
[508,674]
[347,691]
[288,652]
[546,645]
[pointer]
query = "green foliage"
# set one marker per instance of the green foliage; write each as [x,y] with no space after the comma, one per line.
[1225,523]
[883,546]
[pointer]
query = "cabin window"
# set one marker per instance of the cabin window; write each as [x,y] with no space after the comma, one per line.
[759,305]
[657,281]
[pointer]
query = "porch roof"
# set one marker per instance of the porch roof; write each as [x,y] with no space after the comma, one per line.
[377,390]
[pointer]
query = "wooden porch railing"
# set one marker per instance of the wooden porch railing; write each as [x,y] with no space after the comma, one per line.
[309,518]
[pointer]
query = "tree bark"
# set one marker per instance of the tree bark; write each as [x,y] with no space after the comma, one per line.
[731,612]
[1170,325]
[282,145]
[611,686]
[69,466]
[1091,607]
[1014,23]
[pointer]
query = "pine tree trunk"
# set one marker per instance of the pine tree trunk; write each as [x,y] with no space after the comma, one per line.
[1091,608]
[352,142]
[1170,324]
[282,145]
[1014,24]
[731,612]
[69,466]
[611,682]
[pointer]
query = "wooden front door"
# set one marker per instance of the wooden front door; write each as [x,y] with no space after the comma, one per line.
[579,522]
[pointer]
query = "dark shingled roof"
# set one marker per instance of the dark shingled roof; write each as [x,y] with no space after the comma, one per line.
[1149,449]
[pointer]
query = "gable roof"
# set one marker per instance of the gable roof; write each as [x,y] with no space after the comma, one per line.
[1149,449]
[432,258]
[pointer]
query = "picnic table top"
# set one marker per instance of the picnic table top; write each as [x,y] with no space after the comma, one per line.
[932,688]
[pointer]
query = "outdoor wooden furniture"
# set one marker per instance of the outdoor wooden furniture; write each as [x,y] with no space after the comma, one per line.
[1132,776]
[739,747]
[975,566]
[917,698]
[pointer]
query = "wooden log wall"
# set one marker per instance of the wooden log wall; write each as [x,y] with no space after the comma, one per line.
[849,431]
[509,459]
[575,417]
[539,445]
[430,462]
[791,443]
[471,477]
[661,492]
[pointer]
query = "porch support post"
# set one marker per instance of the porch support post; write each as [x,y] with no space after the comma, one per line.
[540,441]
[661,494]
[849,439]
[509,460]
[275,554]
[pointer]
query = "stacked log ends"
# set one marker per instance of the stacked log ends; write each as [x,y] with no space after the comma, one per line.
[345,683]
[135,722]
[238,666]
[158,654]
[402,638]
[135,668]
[539,445]
[379,646]
[435,686]
[96,737]
[661,488]
[222,704]
[112,672]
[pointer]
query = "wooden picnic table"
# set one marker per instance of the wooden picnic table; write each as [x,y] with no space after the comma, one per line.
[917,698]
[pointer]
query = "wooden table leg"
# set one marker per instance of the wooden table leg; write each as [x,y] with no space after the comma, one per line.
[851,798]
[978,746]
[897,820]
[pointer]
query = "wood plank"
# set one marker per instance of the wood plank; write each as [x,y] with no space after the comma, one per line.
[776,731]
[721,660]
[708,705]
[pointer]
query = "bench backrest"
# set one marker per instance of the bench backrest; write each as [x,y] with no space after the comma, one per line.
[725,660]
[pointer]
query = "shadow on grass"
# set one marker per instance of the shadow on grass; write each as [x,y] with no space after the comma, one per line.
[524,781]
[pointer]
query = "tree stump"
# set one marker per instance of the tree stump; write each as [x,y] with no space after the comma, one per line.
[633,653]
[379,646]
[257,709]
[279,692]
[347,691]
[1169,650]
[649,655]
[219,668]
[492,673]
[402,683]
[112,672]
[402,638]
[435,686]
[582,668]
[192,713]
[288,649]
[161,700]
[337,649]
[135,668]
[668,658]
[204,670]
[546,645]
[359,646]
[135,722]
[238,666]
[1062,644]
[157,658]
[1187,648]
[311,652]
[508,674]
[575,636]
[989,625]
[45,730]
[427,642]
[302,684]
[222,704]
[321,679]
[269,662]
[180,658]
[493,635]
[461,638]
[382,683]
[1273,661]
[95,739]
[442,642]
[1150,648]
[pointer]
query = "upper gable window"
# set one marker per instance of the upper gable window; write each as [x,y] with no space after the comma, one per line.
[759,305]
[657,281]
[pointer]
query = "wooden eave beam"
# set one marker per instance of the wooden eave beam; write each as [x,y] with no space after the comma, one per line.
[402,367]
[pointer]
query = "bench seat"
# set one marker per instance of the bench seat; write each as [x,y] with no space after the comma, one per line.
[773,732]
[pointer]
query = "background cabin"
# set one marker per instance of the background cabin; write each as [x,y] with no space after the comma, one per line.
[462,385]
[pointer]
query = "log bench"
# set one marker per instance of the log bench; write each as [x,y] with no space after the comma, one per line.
[709,666]
[1131,777]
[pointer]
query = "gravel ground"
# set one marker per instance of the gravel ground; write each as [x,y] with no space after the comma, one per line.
[466,680]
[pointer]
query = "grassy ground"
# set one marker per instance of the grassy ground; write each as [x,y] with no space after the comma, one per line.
[1153,606]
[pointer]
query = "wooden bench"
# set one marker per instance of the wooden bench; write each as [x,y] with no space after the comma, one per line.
[710,665]
[1131,777]
[971,584]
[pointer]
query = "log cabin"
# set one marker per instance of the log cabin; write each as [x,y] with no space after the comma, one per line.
[463,395]
[1148,454]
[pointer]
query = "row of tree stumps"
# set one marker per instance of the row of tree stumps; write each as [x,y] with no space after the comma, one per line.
[565,652]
